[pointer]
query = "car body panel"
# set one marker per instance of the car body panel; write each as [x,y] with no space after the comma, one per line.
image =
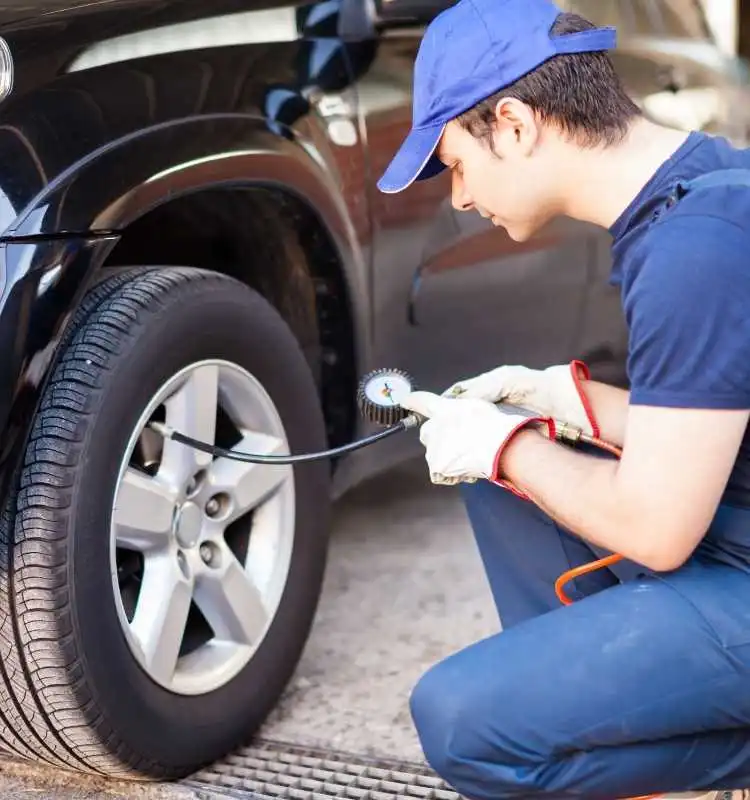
[77,111]
[87,148]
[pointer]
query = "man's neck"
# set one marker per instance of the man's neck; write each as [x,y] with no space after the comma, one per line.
[614,176]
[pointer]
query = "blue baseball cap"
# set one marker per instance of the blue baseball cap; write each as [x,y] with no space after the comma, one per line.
[469,52]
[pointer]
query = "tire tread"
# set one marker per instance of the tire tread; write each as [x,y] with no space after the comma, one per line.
[49,711]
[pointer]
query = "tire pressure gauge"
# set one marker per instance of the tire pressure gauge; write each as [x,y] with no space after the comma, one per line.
[380,394]
[379,398]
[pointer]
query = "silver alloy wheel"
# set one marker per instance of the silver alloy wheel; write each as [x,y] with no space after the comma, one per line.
[174,511]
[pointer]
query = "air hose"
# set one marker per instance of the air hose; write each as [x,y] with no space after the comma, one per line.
[378,401]
[257,458]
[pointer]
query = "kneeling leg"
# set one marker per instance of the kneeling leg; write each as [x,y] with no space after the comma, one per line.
[638,689]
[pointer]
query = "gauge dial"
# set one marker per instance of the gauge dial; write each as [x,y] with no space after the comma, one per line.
[380,394]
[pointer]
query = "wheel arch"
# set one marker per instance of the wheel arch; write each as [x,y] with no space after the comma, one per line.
[275,243]
[99,209]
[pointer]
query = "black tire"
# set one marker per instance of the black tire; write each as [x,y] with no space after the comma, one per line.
[71,691]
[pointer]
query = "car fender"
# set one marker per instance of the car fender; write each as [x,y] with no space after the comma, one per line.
[96,195]
[55,248]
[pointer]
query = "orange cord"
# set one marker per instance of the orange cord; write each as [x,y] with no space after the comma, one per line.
[577,572]
[601,563]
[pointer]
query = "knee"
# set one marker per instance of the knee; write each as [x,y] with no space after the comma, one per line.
[476,743]
[436,709]
[453,733]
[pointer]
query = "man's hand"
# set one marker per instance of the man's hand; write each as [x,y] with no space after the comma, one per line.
[556,392]
[464,439]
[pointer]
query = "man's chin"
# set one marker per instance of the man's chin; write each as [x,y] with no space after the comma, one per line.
[523,231]
[518,233]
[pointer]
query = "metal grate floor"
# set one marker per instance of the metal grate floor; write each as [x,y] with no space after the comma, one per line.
[278,770]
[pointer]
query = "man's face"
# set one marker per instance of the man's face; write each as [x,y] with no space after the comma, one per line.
[511,186]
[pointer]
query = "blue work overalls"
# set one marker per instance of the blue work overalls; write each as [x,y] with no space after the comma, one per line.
[641,686]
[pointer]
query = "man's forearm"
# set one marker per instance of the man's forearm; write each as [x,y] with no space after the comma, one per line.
[581,493]
[610,407]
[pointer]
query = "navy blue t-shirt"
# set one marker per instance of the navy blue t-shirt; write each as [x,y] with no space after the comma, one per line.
[685,283]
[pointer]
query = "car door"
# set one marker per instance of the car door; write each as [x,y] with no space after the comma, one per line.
[481,299]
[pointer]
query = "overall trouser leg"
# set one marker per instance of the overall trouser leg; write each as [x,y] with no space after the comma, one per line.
[641,686]
[524,552]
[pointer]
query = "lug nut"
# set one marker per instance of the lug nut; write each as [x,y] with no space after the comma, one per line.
[210,555]
[206,553]
[218,505]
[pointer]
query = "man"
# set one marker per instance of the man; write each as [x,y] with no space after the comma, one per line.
[642,685]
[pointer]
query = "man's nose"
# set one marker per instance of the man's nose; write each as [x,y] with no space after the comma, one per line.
[459,196]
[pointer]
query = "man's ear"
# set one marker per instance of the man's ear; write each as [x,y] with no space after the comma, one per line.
[516,127]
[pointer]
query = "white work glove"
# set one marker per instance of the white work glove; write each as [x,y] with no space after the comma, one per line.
[556,392]
[465,439]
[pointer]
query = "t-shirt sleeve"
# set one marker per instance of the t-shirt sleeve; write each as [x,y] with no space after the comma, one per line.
[688,313]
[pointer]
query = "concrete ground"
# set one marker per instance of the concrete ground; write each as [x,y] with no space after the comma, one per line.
[404,588]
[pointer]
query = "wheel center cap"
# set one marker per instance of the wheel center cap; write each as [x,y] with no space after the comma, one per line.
[188,524]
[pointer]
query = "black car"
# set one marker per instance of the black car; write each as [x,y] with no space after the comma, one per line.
[190,234]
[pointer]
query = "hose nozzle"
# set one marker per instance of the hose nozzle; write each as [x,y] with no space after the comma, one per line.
[162,429]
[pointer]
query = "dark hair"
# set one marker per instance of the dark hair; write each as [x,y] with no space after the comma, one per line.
[580,93]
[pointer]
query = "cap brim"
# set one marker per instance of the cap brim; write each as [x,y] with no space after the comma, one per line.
[415,160]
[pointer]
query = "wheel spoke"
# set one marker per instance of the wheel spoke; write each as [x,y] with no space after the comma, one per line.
[161,615]
[191,411]
[143,512]
[249,484]
[230,601]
